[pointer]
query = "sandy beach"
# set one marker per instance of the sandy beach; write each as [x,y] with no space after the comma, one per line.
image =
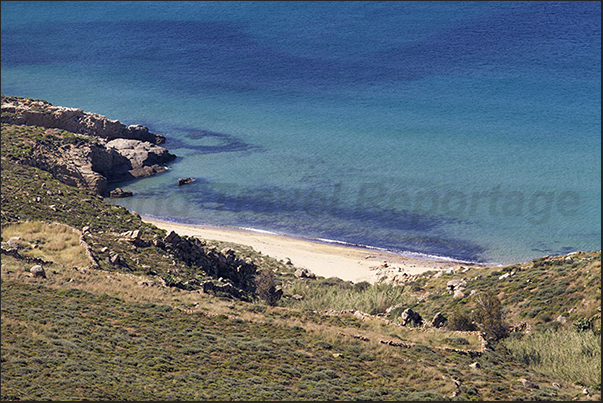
[321,258]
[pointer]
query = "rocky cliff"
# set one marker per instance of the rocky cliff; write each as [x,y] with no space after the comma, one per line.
[33,112]
[100,150]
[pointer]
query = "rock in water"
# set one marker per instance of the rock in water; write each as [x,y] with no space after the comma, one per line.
[119,192]
[184,181]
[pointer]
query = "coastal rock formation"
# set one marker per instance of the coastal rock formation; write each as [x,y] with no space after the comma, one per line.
[139,159]
[92,165]
[184,181]
[30,112]
[105,150]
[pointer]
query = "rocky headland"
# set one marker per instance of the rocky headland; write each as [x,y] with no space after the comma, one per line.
[33,112]
[98,151]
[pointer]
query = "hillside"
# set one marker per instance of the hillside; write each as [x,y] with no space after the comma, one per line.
[125,311]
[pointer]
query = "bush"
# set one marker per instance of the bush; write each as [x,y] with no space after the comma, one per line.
[460,320]
[488,313]
[433,395]
[266,289]
[583,325]
[361,286]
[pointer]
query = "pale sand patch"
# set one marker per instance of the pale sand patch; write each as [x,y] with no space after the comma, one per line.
[323,259]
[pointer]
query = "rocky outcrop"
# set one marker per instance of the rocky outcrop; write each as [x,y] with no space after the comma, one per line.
[92,165]
[29,112]
[138,159]
[438,320]
[410,317]
[105,152]
[220,265]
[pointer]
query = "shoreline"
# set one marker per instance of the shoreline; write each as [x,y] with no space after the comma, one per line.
[326,258]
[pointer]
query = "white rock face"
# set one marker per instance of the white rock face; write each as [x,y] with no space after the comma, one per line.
[23,111]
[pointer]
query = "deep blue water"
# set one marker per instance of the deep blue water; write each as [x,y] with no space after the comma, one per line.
[469,130]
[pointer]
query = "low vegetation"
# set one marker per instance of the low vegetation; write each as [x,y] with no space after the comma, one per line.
[566,354]
[53,242]
[93,330]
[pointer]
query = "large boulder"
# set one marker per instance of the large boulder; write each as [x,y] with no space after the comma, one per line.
[438,320]
[458,294]
[117,261]
[37,271]
[410,317]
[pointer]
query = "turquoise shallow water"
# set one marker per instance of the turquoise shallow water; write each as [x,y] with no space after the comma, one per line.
[457,129]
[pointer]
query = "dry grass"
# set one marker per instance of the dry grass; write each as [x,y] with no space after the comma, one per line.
[565,354]
[128,288]
[55,242]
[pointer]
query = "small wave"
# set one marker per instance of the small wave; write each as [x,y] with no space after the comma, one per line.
[261,231]
[400,252]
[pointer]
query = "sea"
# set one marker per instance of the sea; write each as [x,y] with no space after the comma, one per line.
[462,130]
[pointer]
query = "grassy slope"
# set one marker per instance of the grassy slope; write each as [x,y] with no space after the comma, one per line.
[98,334]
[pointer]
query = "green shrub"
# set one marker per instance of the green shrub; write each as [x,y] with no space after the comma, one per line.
[266,288]
[488,314]
[428,395]
[460,320]
[583,325]
[361,286]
